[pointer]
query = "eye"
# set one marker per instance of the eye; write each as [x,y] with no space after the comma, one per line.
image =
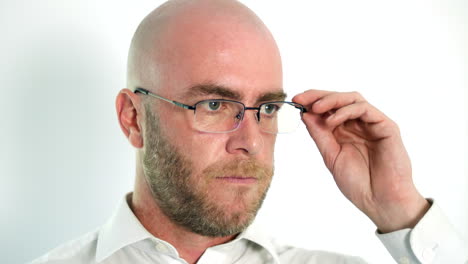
[212,106]
[269,109]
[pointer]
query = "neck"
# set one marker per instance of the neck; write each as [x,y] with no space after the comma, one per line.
[190,246]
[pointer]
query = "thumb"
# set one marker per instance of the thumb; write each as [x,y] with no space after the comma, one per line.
[322,136]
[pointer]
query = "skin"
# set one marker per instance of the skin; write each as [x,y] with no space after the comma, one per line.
[234,50]
[364,151]
[186,43]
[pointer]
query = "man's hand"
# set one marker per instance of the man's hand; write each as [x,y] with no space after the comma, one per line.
[363,150]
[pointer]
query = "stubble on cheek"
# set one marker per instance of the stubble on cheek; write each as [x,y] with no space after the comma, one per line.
[199,201]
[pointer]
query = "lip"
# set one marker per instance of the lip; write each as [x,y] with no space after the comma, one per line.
[238,180]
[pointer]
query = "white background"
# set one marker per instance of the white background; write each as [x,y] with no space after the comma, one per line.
[65,165]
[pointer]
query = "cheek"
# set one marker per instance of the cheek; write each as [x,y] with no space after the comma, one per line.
[206,149]
[269,147]
[202,150]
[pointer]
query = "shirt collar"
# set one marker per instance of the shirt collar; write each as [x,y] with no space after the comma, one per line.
[257,235]
[124,228]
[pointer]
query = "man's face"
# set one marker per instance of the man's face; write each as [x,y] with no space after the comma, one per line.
[190,200]
[212,183]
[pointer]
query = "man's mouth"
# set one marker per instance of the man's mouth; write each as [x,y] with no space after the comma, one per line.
[238,179]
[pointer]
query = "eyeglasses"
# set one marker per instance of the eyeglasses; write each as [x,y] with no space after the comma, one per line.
[222,116]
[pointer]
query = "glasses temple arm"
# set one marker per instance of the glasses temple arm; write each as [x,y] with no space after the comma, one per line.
[146,92]
[302,108]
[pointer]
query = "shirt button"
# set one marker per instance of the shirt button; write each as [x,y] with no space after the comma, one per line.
[161,248]
[403,260]
[428,254]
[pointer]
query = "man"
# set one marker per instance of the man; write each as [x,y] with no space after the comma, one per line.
[203,106]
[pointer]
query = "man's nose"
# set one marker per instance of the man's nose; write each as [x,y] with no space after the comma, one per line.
[248,138]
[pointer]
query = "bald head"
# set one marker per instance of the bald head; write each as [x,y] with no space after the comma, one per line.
[189,51]
[182,35]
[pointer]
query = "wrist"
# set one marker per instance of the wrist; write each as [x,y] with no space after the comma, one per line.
[401,215]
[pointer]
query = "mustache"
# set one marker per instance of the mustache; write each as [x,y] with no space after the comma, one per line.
[239,167]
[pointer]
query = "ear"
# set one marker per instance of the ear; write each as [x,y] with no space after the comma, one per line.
[128,112]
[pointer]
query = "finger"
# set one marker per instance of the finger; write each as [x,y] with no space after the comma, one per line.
[361,110]
[323,137]
[336,100]
[308,97]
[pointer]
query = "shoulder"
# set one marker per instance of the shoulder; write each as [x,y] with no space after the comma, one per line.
[78,251]
[284,253]
[289,254]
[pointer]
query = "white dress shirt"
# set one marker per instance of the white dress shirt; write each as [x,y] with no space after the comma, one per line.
[124,240]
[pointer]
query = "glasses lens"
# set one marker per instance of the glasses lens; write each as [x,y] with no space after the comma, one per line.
[279,117]
[218,115]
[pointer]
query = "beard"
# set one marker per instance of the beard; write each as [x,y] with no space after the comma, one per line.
[189,201]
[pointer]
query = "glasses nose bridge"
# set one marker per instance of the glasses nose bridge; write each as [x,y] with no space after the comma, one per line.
[257,114]
[243,113]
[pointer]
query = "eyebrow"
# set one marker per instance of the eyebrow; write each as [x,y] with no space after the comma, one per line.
[272,96]
[212,89]
[215,89]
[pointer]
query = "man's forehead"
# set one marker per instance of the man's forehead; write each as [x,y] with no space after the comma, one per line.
[213,89]
[195,49]
[183,33]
